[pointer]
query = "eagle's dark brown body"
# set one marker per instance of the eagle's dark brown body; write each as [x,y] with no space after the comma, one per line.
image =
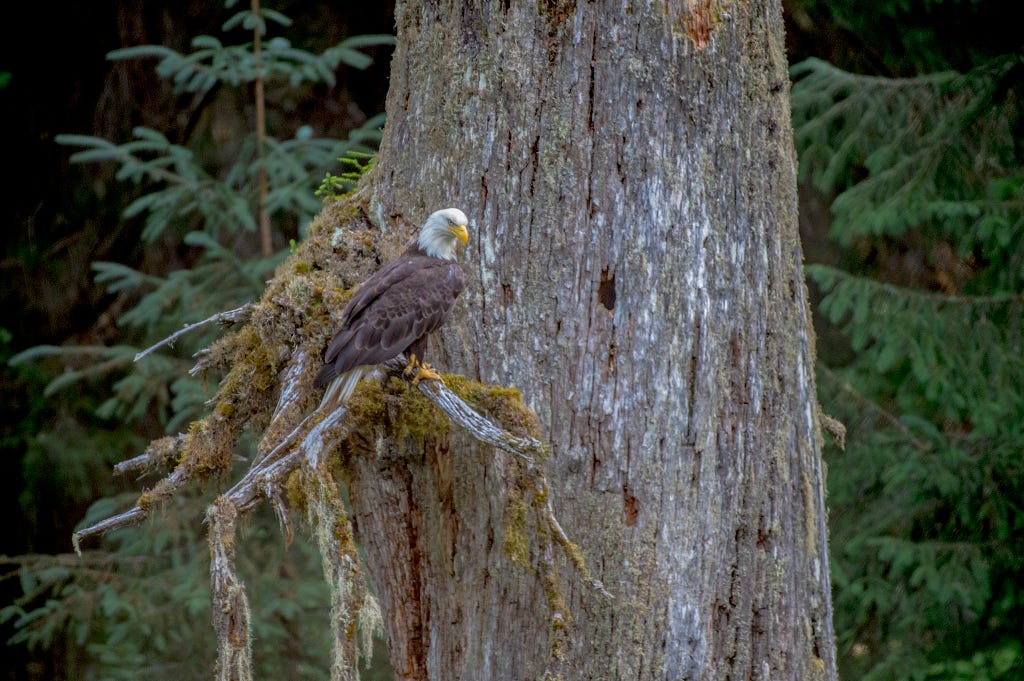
[392,313]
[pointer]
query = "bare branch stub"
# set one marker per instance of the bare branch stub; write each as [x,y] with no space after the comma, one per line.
[160,453]
[239,314]
[136,514]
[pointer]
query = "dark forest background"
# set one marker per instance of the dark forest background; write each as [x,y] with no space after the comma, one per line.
[909,127]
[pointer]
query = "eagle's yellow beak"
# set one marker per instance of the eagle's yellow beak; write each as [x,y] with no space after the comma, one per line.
[461,233]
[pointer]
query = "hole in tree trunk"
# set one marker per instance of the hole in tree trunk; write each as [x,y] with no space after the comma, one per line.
[606,290]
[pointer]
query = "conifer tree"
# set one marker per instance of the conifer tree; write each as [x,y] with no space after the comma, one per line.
[927,532]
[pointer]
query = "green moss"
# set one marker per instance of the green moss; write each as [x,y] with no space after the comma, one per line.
[207,449]
[165,451]
[294,491]
[344,536]
[367,406]
[399,407]
[252,375]
[256,363]
[576,556]
[516,543]
[560,619]
[417,418]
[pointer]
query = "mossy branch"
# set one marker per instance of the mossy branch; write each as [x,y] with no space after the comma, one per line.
[527,448]
[531,450]
[316,435]
[231,616]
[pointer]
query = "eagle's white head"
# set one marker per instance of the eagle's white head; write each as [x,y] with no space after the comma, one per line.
[440,232]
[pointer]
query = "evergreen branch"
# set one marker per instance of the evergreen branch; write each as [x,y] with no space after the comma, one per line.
[836,275]
[102,560]
[40,351]
[227,317]
[815,66]
[886,415]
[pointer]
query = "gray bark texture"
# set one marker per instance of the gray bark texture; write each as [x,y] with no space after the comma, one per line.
[634,268]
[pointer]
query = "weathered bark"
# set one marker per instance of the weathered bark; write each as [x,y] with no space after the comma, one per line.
[635,269]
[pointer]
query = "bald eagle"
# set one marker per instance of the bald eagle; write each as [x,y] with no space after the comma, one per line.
[395,310]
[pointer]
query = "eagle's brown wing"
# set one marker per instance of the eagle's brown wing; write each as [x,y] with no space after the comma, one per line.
[394,309]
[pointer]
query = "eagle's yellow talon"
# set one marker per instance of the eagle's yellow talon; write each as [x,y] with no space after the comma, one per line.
[411,366]
[425,372]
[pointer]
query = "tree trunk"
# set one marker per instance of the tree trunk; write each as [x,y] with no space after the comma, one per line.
[634,267]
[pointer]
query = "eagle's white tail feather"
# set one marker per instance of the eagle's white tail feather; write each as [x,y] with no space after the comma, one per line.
[340,389]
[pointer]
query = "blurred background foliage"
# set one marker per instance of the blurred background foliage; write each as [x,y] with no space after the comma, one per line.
[910,132]
[134,209]
[138,211]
